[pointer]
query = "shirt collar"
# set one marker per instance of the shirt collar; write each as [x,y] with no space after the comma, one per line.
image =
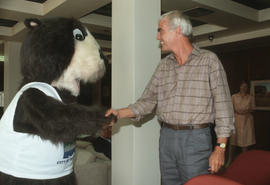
[196,51]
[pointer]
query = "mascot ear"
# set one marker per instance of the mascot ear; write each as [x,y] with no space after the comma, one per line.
[32,23]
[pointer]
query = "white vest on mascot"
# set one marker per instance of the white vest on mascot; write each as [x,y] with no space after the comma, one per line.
[28,156]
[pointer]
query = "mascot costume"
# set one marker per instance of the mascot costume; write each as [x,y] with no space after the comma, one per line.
[39,127]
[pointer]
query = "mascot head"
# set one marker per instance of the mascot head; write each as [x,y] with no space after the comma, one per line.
[61,52]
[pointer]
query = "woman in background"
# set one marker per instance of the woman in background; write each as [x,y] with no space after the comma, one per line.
[244,135]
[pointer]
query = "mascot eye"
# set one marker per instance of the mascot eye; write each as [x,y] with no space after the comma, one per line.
[77,33]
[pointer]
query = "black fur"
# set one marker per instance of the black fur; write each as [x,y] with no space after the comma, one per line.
[67,120]
[10,180]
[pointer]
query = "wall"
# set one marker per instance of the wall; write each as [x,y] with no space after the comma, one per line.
[250,64]
[135,54]
[12,74]
[1,84]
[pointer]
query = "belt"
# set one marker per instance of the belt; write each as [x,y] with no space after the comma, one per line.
[185,127]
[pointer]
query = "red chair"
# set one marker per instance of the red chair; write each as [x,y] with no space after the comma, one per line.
[249,168]
[211,180]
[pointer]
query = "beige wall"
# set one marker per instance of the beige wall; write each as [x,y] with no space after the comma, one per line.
[12,75]
[135,55]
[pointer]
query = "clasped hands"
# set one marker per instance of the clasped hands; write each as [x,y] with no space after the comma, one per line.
[113,114]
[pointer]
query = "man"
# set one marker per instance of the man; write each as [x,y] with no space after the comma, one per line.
[188,92]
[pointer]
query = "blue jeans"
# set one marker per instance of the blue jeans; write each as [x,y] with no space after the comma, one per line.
[183,154]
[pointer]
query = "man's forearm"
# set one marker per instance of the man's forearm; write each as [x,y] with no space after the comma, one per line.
[125,113]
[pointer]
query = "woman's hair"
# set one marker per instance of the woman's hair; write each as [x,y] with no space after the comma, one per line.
[245,82]
[176,18]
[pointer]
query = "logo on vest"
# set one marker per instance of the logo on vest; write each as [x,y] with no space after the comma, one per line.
[69,149]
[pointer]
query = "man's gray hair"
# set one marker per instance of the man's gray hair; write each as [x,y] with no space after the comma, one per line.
[177,19]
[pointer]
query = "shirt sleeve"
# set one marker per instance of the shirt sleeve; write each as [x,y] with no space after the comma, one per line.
[146,104]
[224,116]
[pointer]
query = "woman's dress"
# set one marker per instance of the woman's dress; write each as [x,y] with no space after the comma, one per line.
[244,126]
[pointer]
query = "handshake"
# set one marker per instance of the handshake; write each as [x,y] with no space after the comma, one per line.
[116,114]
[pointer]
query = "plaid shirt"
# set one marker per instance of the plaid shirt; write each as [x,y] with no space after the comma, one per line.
[194,93]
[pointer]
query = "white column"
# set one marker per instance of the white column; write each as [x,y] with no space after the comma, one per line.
[12,71]
[135,55]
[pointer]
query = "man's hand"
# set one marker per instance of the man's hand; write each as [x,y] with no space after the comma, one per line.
[113,114]
[120,113]
[112,111]
[216,160]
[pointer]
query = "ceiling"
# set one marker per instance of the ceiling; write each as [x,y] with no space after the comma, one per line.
[214,22]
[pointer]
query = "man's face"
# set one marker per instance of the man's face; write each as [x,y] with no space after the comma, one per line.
[165,35]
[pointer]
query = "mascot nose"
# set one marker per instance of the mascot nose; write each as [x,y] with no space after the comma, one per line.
[105,59]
